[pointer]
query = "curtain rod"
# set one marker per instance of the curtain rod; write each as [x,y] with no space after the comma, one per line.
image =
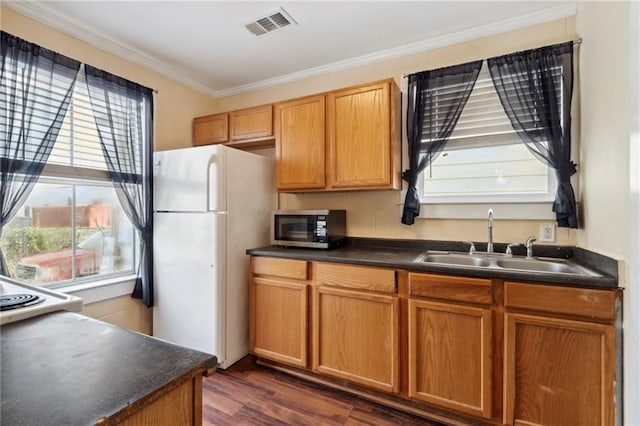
[578,41]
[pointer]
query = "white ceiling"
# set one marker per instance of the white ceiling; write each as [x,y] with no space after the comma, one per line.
[205,45]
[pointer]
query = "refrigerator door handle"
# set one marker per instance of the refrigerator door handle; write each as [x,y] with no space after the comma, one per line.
[210,179]
[216,181]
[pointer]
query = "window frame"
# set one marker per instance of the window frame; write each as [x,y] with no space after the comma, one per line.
[521,198]
[72,175]
[518,204]
[76,176]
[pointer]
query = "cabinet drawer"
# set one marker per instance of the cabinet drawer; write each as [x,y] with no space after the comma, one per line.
[473,290]
[582,302]
[356,277]
[285,268]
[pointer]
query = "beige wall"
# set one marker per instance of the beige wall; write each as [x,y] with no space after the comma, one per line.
[604,129]
[175,104]
[605,125]
[371,214]
[122,311]
[377,213]
[175,107]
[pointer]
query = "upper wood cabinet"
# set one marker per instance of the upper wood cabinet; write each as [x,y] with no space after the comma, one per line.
[251,123]
[235,127]
[300,147]
[360,130]
[211,129]
[346,139]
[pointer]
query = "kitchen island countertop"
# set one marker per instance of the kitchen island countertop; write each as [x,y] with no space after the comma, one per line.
[65,368]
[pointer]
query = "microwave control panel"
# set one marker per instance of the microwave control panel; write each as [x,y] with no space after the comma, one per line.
[321,229]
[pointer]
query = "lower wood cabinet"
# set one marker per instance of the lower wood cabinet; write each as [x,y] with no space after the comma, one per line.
[484,351]
[180,406]
[559,371]
[279,310]
[280,321]
[450,343]
[450,356]
[355,337]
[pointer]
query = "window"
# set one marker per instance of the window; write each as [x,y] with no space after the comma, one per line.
[71,227]
[484,160]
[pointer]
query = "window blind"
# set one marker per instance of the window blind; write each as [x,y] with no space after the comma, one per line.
[483,121]
[77,152]
[484,156]
[78,144]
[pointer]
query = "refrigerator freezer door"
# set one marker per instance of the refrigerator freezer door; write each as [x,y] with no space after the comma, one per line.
[189,276]
[190,179]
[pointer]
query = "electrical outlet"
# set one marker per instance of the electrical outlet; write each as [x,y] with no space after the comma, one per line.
[547,232]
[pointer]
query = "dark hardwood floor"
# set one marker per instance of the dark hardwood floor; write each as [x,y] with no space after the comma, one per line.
[250,394]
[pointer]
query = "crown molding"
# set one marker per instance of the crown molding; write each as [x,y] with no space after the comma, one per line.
[46,16]
[523,21]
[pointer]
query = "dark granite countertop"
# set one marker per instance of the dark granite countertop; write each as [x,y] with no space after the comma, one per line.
[400,254]
[67,369]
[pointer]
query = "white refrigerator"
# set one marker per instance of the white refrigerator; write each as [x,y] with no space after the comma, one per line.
[211,203]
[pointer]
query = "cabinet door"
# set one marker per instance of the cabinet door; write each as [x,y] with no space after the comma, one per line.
[300,144]
[279,320]
[211,129]
[251,123]
[180,406]
[359,136]
[355,337]
[450,356]
[558,372]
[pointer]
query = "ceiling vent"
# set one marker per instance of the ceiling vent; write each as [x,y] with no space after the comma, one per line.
[272,21]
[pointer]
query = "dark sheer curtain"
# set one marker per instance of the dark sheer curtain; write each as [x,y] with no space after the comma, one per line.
[31,114]
[435,101]
[535,88]
[123,111]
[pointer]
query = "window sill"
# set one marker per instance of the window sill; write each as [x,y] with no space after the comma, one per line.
[516,211]
[99,290]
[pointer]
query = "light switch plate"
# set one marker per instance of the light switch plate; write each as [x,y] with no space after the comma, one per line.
[547,232]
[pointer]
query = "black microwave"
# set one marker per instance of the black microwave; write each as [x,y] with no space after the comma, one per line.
[322,229]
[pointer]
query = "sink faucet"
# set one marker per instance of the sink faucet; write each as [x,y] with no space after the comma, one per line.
[529,246]
[490,241]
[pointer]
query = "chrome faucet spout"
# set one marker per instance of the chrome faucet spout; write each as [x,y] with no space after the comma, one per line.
[529,246]
[490,226]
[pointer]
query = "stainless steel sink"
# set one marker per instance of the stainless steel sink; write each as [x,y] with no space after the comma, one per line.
[500,261]
[457,259]
[539,265]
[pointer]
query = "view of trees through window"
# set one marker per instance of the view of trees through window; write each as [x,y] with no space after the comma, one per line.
[72,225]
[66,231]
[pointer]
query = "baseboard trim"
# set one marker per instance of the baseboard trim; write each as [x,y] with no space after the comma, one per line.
[370,395]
